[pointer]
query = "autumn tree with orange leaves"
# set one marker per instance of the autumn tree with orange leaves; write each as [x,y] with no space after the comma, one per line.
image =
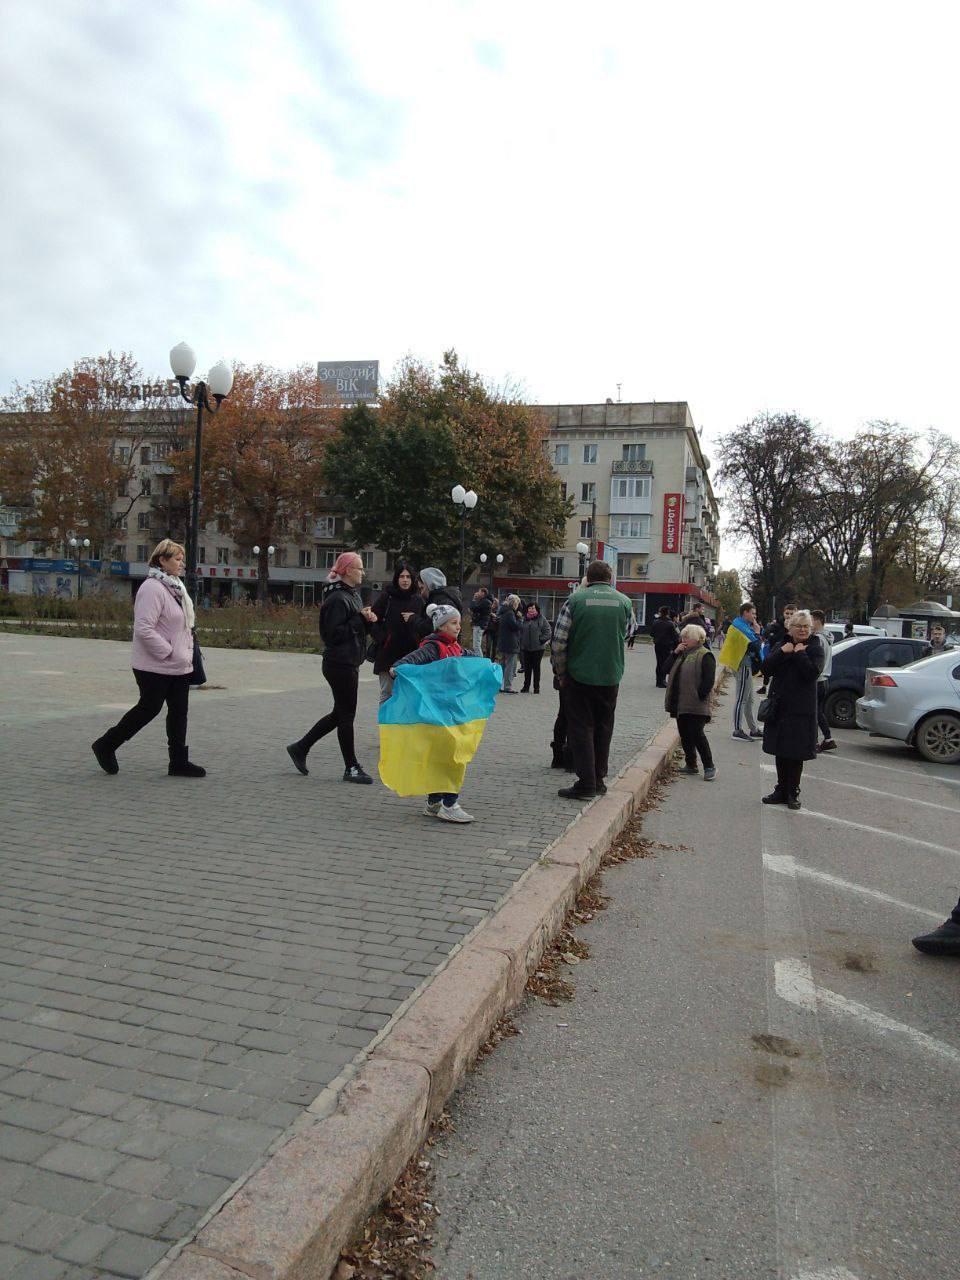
[393,468]
[261,461]
[69,448]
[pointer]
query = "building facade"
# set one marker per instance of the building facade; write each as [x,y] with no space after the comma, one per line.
[636,475]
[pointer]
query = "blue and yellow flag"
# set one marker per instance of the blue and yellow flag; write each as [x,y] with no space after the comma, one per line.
[431,725]
[734,647]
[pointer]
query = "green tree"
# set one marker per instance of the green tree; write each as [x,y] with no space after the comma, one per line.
[393,468]
[729,592]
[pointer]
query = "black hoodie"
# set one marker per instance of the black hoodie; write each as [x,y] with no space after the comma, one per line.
[342,625]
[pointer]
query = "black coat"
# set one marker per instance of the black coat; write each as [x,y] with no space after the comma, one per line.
[442,595]
[480,611]
[791,731]
[664,634]
[394,636]
[342,625]
[508,637]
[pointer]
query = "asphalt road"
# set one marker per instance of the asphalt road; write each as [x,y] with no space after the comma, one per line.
[758,1075]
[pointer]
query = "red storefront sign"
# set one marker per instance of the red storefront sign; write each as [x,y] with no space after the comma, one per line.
[672,523]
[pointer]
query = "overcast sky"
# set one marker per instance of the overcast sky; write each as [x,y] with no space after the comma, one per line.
[745,205]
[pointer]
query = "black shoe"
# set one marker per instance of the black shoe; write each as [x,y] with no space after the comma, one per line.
[793,801]
[776,796]
[180,766]
[576,793]
[356,774]
[524,690]
[601,788]
[689,768]
[299,757]
[827,744]
[756,733]
[106,756]
[943,941]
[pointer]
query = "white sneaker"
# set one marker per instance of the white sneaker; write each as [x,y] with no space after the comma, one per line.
[431,810]
[454,813]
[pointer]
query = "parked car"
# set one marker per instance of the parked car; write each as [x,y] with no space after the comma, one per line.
[850,661]
[835,631]
[919,704]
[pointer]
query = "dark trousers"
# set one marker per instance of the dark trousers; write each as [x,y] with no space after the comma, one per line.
[559,742]
[788,775]
[821,709]
[532,659]
[591,710]
[343,681]
[694,740]
[155,690]
[663,665]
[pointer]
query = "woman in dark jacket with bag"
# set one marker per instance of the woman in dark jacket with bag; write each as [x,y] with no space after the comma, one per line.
[687,700]
[790,723]
[399,609]
[344,624]
[508,640]
[534,638]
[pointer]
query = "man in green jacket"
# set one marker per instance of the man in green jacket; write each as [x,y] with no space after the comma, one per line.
[587,656]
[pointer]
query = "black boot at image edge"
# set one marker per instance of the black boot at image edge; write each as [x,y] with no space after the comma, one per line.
[180,766]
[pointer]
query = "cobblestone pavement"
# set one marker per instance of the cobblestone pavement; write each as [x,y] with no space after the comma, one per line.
[184,965]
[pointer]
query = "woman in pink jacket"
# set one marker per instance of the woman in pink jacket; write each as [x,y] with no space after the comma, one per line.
[163,620]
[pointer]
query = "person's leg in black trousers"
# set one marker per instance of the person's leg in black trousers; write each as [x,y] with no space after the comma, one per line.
[688,739]
[534,661]
[604,715]
[661,655]
[559,743]
[343,681]
[527,666]
[789,773]
[580,734]
[155,690]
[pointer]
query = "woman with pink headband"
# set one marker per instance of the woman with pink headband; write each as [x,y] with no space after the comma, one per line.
[344,623]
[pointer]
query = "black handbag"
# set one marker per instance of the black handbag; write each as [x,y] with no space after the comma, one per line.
[197,675]
[767,710]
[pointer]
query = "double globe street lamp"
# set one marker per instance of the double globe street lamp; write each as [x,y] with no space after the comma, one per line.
[218,384]
[483,560]
[466,500]
[582,551]
[79,545]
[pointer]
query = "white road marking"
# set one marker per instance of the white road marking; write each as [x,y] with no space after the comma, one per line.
[794,983]
[46,673]
[920,774]
[831,1273]
[811,1193]
[785,865]
[875,791]
[879,831]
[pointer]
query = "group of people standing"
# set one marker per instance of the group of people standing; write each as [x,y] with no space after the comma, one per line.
[515,631]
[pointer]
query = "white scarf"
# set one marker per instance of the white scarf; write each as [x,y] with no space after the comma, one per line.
[189,616]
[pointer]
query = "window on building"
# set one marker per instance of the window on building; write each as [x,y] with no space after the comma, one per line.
[123,453]
[563,490]
[165,486]
[143,520]
[634,452]
[624,566]
[367,558]
[561,455]
[201,555]
[328,527]
[143,552]
[632,487]
[145,455]
[329,555]
[305,558]
[589,453]
[586,528]
[630,526]
[556,566]
[145,486]
[223,555]
[588,492]
[280,557]
[121,488]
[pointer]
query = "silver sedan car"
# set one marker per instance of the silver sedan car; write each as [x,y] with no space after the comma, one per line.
[919,704]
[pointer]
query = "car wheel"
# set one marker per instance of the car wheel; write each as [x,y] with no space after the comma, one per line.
[841,709]
[938,738]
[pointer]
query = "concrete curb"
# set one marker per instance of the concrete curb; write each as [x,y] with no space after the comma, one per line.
[293,1216]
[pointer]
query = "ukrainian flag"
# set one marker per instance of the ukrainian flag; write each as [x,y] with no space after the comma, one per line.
[431,725]
[734,647]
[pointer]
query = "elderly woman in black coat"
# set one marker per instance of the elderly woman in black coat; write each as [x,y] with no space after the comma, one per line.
[790,726]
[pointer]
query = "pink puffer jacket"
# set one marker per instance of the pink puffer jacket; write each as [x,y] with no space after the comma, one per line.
[162,641]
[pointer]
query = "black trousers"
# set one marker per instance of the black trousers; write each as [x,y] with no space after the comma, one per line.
[155,690]
[789,773]
[344,681]
[663,665]
[822,720]
[694,740]
[591,710]
[532,660]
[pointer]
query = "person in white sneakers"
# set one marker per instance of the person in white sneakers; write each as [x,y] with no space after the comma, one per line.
[819,621]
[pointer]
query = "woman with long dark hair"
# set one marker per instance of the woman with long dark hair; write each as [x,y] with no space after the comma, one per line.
[399,608]
[344,623]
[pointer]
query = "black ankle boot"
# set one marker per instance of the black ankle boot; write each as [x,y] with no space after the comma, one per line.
[793,800]
[776,796]
[180,766]
[106,754]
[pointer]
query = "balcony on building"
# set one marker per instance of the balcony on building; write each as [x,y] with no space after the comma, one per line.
[632,467]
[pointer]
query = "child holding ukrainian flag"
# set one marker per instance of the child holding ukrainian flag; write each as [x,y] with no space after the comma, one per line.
[431,725]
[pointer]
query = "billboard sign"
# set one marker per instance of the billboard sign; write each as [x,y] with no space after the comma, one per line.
[611,554]
[350,381]
[672,523]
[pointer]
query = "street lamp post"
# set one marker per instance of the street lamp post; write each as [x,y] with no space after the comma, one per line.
[270,551]
[483,560]
[466,500]
[78,545]
[582,551]
[218,384]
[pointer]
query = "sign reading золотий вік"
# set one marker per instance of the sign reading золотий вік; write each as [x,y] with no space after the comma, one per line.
[350,381]
[672,523]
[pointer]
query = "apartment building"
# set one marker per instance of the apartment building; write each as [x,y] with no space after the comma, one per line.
[643,501]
